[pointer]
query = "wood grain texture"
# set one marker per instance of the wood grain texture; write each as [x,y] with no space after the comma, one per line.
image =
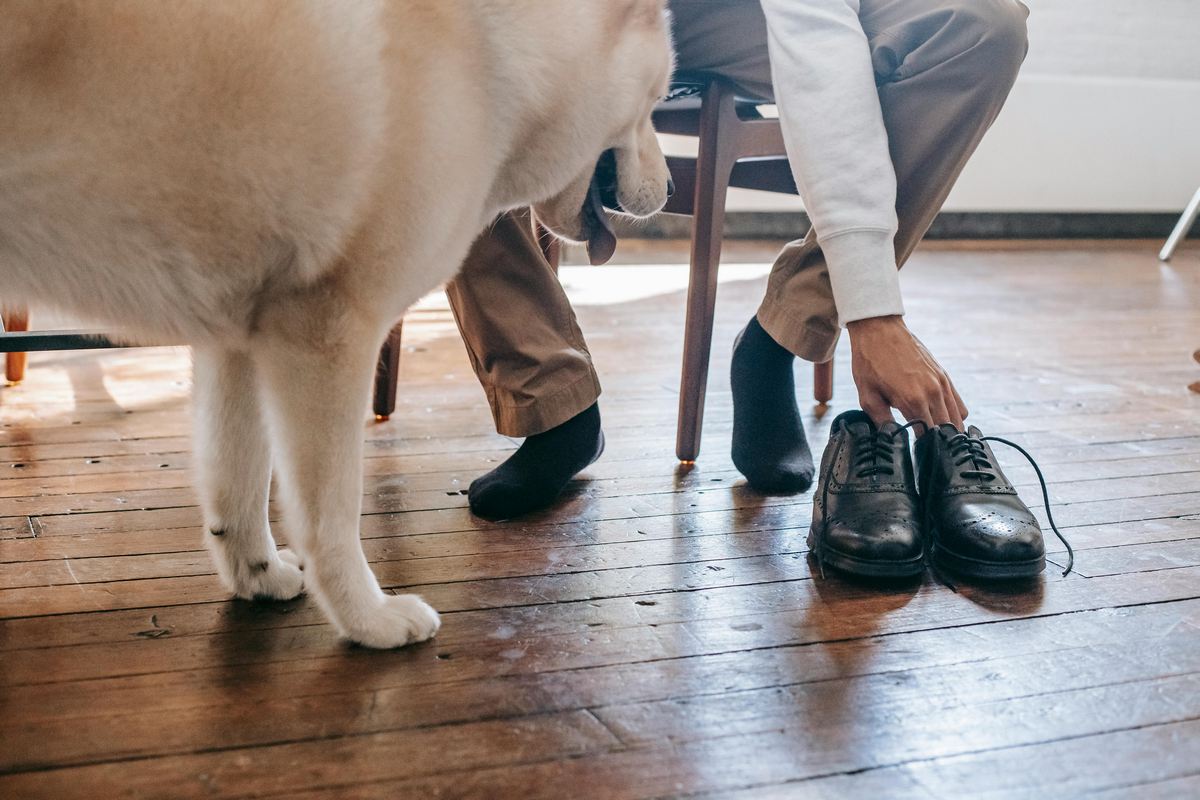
[660,633]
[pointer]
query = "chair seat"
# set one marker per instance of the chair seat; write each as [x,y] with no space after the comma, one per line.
[687,92]
[679,111]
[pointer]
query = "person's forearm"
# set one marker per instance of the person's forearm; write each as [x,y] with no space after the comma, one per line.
[837,145]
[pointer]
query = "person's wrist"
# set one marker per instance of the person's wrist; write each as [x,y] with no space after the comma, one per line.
[866,328]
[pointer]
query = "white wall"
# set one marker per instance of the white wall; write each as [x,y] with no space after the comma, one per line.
[1105,115]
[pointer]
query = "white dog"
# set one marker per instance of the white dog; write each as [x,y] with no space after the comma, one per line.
[274,182]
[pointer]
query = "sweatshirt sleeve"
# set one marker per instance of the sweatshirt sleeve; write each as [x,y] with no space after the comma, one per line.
[838,148]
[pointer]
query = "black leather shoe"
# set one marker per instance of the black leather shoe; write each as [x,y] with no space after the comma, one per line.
[976,523]
[866,512]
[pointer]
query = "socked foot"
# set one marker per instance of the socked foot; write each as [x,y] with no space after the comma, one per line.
[769,446]
[534,476]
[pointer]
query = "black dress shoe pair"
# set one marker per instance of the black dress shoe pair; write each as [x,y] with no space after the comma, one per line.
[870,519]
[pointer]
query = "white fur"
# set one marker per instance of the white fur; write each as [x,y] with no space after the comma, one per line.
[275,182]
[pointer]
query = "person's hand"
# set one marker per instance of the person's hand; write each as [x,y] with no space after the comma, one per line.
[892,369]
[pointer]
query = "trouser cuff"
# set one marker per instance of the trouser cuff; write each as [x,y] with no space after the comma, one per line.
[813,337]
[530,418]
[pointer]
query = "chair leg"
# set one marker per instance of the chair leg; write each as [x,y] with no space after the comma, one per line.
[823,382]
[1181,228]
[718,153]
[822,387]
[387,372]
[14,363]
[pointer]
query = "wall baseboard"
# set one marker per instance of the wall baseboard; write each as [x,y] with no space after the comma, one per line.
[948,225]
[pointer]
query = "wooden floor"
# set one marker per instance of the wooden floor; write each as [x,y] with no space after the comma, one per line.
[660,633]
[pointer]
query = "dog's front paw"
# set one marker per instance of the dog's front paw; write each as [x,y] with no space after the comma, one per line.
[277,577]
[273,579]
[399,620]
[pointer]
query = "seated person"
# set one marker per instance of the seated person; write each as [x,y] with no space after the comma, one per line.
[882,103]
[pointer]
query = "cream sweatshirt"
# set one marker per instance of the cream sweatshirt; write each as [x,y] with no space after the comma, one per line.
[838,147]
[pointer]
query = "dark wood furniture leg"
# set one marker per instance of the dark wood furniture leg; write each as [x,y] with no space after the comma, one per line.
[718,149]
[387,371]
[823,382]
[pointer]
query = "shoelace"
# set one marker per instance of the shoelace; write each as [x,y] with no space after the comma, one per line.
[972,451]
[1045,497]
[867,463]
[867,460]
[969,449]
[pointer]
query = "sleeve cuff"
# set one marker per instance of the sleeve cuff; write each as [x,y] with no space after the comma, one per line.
[863,274]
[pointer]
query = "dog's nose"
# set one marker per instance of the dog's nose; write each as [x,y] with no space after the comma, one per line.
[670,187]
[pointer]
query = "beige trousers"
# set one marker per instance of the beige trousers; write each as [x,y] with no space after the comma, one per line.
[944,69]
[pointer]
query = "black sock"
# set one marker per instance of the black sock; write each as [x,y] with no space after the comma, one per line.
[537,473]
[769,446]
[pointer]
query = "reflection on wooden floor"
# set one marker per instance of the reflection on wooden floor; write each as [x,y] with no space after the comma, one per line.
[661,632]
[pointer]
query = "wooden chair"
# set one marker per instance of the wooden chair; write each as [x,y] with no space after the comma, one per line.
[738,147]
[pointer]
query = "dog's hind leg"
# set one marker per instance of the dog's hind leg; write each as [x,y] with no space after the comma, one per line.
[234,465]
[316,400]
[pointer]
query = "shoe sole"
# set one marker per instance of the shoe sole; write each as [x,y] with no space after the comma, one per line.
[866,568]
[987,570]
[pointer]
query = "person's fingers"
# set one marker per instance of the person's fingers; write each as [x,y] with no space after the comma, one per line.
[963,411]
[917,411]
[956,418]
[953,403]
[939,414]
[876,407]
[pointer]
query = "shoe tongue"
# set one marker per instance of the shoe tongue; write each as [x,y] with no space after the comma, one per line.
[855,421]
[859,424]
[893,428]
